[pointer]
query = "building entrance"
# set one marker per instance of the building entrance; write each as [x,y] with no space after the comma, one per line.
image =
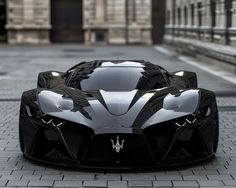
[3,21]
[66,19]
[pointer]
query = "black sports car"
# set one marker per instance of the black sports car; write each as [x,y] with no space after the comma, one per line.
[118,114]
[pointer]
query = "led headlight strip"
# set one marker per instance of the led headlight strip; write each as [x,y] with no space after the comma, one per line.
[190,119]
[46,119]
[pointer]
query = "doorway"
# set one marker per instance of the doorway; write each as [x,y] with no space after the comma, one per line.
[67,21]
[3,21]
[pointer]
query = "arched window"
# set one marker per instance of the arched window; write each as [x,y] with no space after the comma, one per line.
[185,15]
[199,6]
[179,16]
[192,14]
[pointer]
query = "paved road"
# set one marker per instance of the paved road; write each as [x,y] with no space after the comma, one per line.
[19,66]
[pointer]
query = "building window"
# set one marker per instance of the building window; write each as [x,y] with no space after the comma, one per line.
[179,16]
[173,12]
[168,17]
[185,15]
[100,36]
[192,14]
[111,11]
[134,10]
[213,12]
[199,6]
[228,8]
[3,21]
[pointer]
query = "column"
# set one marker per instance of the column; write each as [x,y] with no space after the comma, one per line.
[232,30]
[28,16]
[206,16]
[100,11]
[219,30]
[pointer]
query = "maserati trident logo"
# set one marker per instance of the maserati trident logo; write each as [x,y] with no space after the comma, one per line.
[117,146]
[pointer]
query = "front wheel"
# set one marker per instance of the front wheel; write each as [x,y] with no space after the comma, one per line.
[216,140]
[21,141]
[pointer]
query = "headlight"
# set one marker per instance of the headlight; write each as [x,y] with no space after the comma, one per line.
[56,122]
[44,118]
[203,112]
[190,119]
[34,112]
[181,121]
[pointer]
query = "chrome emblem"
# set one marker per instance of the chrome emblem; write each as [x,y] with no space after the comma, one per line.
[117,146]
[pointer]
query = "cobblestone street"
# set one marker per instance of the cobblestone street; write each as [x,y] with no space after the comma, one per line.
[19,66]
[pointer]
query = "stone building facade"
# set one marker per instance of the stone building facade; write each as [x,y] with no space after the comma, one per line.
[203,20]
[27,21]
[85,21]
[117,21]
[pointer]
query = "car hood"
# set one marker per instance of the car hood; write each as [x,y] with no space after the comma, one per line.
[104,111]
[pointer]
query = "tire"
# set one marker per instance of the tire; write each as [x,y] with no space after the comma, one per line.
[216,141]
[22,145]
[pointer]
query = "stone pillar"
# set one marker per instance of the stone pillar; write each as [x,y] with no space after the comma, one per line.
[232,29]
[219,30]
[221,14]
[28,21]
[207,13]
[206,20]
[233,15]
[189,26]
[100,11]
[169,18]
[189,14]
[28,14]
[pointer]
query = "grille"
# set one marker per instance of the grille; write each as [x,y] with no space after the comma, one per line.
[160,137]
[76,137]
[134,151]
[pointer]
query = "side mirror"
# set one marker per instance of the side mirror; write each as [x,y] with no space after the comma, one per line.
[190,78]
[50,79]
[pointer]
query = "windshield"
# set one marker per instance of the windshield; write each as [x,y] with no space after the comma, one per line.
[117,79]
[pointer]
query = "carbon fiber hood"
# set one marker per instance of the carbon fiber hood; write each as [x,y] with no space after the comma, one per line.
[122,112]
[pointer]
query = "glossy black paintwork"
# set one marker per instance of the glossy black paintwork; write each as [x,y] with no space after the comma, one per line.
[117,77]
[117,116]
[92,118]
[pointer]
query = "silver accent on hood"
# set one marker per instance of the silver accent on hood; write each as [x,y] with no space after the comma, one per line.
[53,102]
[118,102]
[175,106]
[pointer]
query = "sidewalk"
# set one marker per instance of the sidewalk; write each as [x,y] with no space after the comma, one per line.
[203,65]
[224,56]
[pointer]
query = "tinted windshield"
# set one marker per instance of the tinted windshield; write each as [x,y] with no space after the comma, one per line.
[117,79]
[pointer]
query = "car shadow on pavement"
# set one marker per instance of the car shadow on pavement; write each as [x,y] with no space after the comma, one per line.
[105,170]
